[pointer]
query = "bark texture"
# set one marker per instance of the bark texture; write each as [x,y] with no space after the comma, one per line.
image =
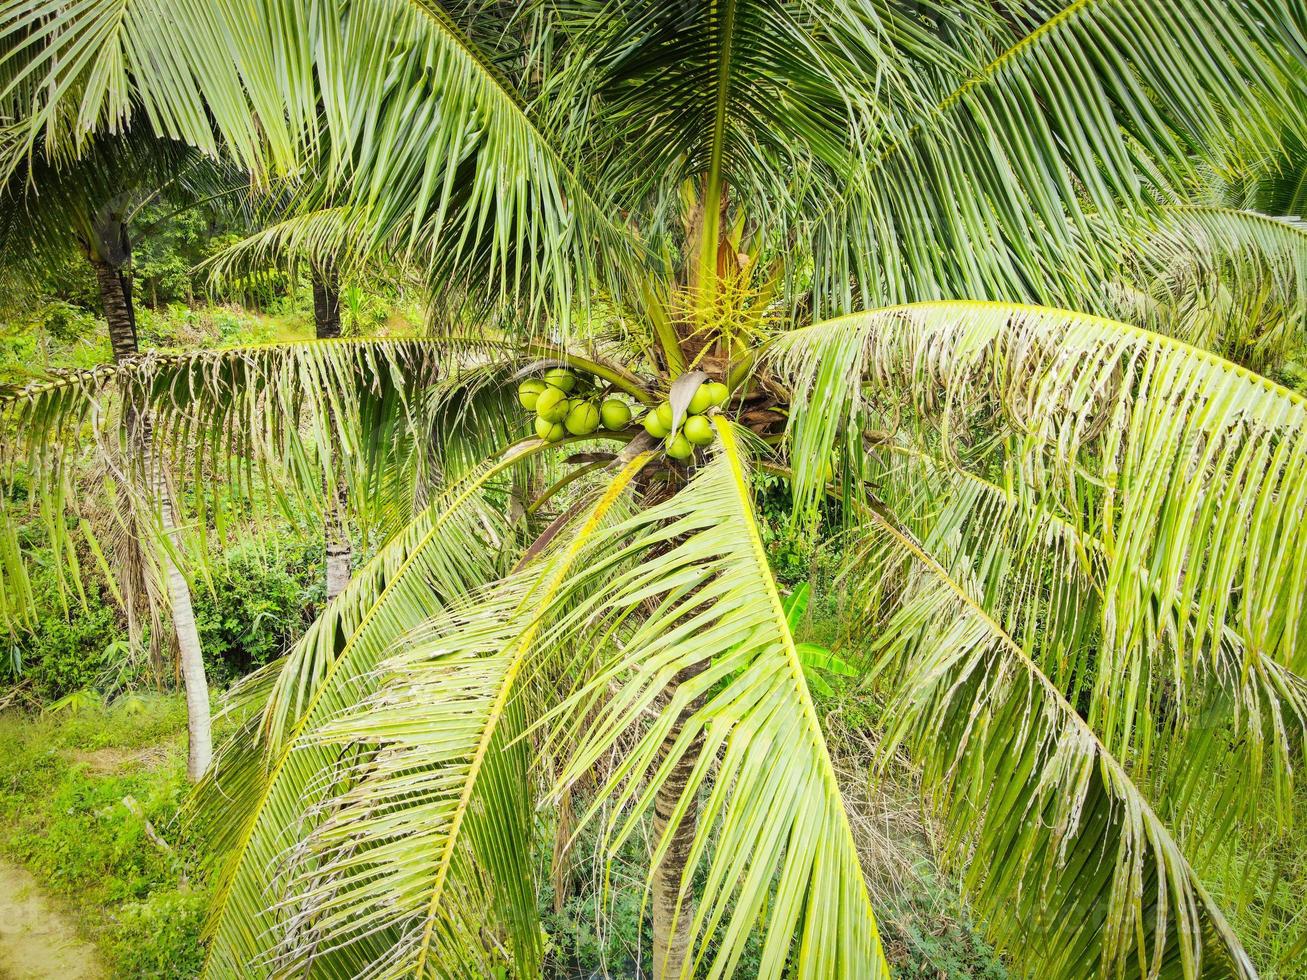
[671,928]
[335,531]
[326,304]
[108,256]
[340,552]
[199,728]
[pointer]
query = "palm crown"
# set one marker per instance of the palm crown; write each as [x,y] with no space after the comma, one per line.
[1078,544]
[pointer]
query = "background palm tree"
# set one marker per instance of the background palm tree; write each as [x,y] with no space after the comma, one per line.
[1078,544]
[92,203]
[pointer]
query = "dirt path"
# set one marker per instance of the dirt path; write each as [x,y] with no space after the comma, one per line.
[38,941]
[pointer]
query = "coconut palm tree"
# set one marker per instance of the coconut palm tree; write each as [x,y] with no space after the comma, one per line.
[884,228]
[90,206]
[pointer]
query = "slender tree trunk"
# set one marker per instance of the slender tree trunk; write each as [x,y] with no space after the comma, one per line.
[326,303]
[340,554]
[199,726]
[108,257]
[671,930]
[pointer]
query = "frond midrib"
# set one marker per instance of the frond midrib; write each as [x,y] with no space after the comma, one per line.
[811,720]
[579,541]
[1159,339]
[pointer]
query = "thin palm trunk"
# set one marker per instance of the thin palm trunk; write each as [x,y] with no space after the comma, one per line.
[108,258]
[671,927]
[340,555]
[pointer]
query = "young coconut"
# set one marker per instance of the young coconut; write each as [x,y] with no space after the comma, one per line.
[664,413]
[717,393]
[654,426]
[549,431]
[698,430]
[528,392]
[561,378]
[582,419]
[615,414]
[701,400]
[678,447]
[551,404]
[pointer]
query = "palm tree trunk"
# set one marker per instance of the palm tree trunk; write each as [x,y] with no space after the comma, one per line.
[198,723]
[108,257]
[671,929]
[326,326]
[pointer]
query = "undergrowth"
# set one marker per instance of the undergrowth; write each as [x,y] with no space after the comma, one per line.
[88,803]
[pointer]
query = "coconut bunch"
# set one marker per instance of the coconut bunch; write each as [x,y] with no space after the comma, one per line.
[695,429]
[565,403]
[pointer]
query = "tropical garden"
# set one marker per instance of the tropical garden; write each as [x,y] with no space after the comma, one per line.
[609,488]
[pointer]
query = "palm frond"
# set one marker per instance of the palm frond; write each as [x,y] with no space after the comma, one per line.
[687,593]
[1072,871]
[424,846]
[448,551]
[1226,280]
[387,108]
[1224,749]
[769,101]
[1181,464]
[1099,109]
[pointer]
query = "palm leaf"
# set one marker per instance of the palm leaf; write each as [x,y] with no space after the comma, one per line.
[1097,110]
[1071,869]
[1226,280]
[426,844]
[449,550]
[688,593]
[1225,736]
[1116,428]
[261,427]
[398,116]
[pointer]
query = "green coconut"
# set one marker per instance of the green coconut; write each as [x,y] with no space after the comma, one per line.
[701,400]
[698,430]
[665,415]
[582,419]
[549,431]
[615,414]
[717,393]
[654,426]
[678,447]
[528,391]
[561,378]
[551,404]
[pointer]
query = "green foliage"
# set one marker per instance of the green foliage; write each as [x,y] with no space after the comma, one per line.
[263,596]
[158,935]
[589,936]
[89,803]
[64,653]
[170,245]
[791,551]
[47,336]
[180,327]
[929,932]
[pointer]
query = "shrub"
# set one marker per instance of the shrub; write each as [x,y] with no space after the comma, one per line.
[62,653]
[261,600]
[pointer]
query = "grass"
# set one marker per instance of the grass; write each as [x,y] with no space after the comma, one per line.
[88,803]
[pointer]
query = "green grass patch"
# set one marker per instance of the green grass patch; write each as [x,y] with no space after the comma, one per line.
[88,803]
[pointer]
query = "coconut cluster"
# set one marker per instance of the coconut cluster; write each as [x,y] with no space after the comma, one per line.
[564,403]
[696,430]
